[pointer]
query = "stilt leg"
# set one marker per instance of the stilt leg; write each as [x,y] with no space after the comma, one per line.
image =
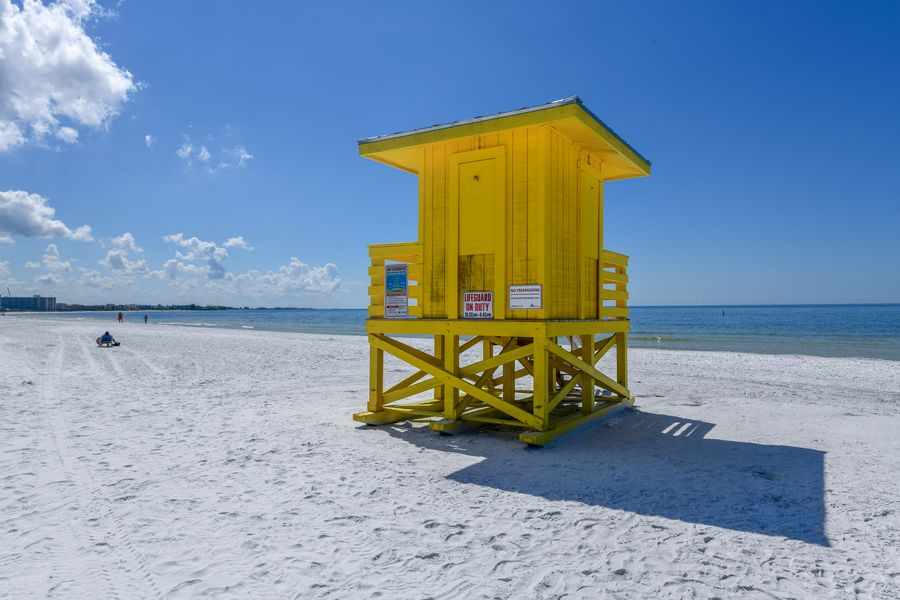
[439,354]
[451,365]
[376,379]
[487,352]
[587,382]
[509,379]
[622,359]
[541,382]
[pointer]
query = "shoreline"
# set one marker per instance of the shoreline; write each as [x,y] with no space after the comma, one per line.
[637,341]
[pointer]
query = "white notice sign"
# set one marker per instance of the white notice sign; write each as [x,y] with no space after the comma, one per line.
[525,296]
[478,305]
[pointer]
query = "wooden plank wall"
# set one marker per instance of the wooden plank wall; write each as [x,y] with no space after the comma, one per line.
[523,185]
[563,231]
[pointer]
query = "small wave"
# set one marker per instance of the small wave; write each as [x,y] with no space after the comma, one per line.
[247,327]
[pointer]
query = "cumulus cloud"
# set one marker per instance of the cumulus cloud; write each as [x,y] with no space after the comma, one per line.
[94,279]
[29,215]
[293,278]
[5,239]
[199,258]
[238,242]
[127,242]
[118,258]
[185,150]
[49,279]
[209,254]
[203,154]
[4,267]
[53,262]
[149,139]
[53,78]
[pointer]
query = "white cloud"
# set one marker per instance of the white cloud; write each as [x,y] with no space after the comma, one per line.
[126,242]
[5,239]
[199,258]
[29,215]
[52,75]
[53,262]
[185,150]
[149,139]
[4,267]
[93,279]
[240,157]
[67,134]
[118,258]
[238,242]
[49,279]
[198,252]
[293,278]
[231,158]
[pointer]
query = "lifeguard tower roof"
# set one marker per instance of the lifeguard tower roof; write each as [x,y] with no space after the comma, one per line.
[569,115]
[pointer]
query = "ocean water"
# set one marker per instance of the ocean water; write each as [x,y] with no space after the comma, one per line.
[861,330]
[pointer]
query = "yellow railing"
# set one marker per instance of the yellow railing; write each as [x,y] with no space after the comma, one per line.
[613,286]
[404,252]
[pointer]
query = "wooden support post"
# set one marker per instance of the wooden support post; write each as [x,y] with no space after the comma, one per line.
[551,376]
[587,382]
[509,378]
[541,382]
[376,378]
[622,359]
[487,351]
[451,365]
[439,354]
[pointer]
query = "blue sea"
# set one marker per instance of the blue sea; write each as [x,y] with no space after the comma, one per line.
[861,330]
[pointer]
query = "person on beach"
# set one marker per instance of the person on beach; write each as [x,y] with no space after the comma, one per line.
[120,317]
[146,318]
[107,340]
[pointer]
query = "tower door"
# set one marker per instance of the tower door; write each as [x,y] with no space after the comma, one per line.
[476,248]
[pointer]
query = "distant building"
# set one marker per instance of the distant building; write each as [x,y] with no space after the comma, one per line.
[33,303]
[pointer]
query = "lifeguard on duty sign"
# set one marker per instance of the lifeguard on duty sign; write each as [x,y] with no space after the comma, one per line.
[478,305]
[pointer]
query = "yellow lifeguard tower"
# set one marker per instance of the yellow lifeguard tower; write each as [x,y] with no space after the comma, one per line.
[509,261]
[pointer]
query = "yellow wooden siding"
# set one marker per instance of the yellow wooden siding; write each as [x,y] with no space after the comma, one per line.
[545,174]
[591,288]
[476,274]
[562,230]
[522,198]
[476,212]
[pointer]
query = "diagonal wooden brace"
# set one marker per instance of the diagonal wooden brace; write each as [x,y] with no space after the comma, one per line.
[422,361]
[601,379]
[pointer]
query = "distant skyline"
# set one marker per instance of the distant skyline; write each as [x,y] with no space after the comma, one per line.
[173,152]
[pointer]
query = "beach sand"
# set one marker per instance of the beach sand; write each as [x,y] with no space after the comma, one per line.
[211,463]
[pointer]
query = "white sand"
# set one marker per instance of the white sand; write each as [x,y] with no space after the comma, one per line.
[209,463]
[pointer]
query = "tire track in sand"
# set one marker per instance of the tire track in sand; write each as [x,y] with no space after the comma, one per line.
[156,369]
[99,527]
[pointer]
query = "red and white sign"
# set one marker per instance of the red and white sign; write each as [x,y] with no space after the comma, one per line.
[478,305]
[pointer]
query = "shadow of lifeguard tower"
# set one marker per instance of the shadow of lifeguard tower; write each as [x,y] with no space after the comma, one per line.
[510,262]
[659,465]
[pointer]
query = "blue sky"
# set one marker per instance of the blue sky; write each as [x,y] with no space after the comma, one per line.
[773,129]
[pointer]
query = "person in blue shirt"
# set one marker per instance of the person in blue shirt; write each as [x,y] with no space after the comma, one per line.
[107,340]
